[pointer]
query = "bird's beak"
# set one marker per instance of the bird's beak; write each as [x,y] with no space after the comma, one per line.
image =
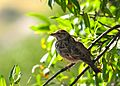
[53,34]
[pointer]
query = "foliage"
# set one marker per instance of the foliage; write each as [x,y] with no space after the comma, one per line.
[86,20]
[14,78]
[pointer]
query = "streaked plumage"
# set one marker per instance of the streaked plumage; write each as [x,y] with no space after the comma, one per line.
[72,50]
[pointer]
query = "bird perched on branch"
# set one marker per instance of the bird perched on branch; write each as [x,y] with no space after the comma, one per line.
[72,50]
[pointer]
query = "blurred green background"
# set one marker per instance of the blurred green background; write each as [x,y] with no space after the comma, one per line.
[18,43]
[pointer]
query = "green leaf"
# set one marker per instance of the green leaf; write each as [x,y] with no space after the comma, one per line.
[63,5]
[40,17]
[88,9]
[117,13]
[103,4]
[50,3]
[73,6]
[118,63]
[15,75]
[106,10]
[53,17]
[38,79]
[41,28]
[105,75]
[58,2]
[70,6]
[64,22]
[86,20]
[2,81]
[43,59]
[76,3]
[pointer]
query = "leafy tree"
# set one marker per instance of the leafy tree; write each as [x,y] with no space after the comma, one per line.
[93,22]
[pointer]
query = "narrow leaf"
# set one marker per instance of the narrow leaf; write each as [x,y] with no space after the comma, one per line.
[15,75]
[106,10]
[50,3]
[63,5]
[44,58]
[104,69]
[70,6]
[117,13]
[76,3]
[40,17]
[40,28]
[86,20]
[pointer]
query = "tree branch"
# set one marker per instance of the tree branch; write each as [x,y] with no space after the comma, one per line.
[98,57]
[104,24]
[103,34]
[60,71]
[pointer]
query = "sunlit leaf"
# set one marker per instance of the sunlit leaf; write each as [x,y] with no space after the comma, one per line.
[64,77]
[40,17]
[81,67]
[15,75]
[46,71]
[35,67]
[53,48]
[104,69]
[44,58]
[50,39]
[118,44]
[43,43]
[51,61]
[76,4]
[41,28]
[64,22]
[2,81]
[38,79]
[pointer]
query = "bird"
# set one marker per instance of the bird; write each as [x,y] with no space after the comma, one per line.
[72,50]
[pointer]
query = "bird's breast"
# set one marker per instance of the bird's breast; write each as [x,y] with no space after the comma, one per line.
[66,50]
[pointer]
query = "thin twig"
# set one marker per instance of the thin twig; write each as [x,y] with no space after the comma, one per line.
[92,15]
[98,57]
[104,24]
[103,34]
[79,76]
[107,47]
[60,71]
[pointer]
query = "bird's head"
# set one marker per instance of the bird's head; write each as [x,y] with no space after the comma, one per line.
[60,34]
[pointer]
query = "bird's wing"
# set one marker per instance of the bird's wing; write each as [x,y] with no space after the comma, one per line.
[81,52]
[83,49]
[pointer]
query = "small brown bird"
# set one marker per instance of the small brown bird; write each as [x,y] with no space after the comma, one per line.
[72,50]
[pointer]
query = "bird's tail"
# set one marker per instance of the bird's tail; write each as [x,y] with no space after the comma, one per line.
[95,69]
